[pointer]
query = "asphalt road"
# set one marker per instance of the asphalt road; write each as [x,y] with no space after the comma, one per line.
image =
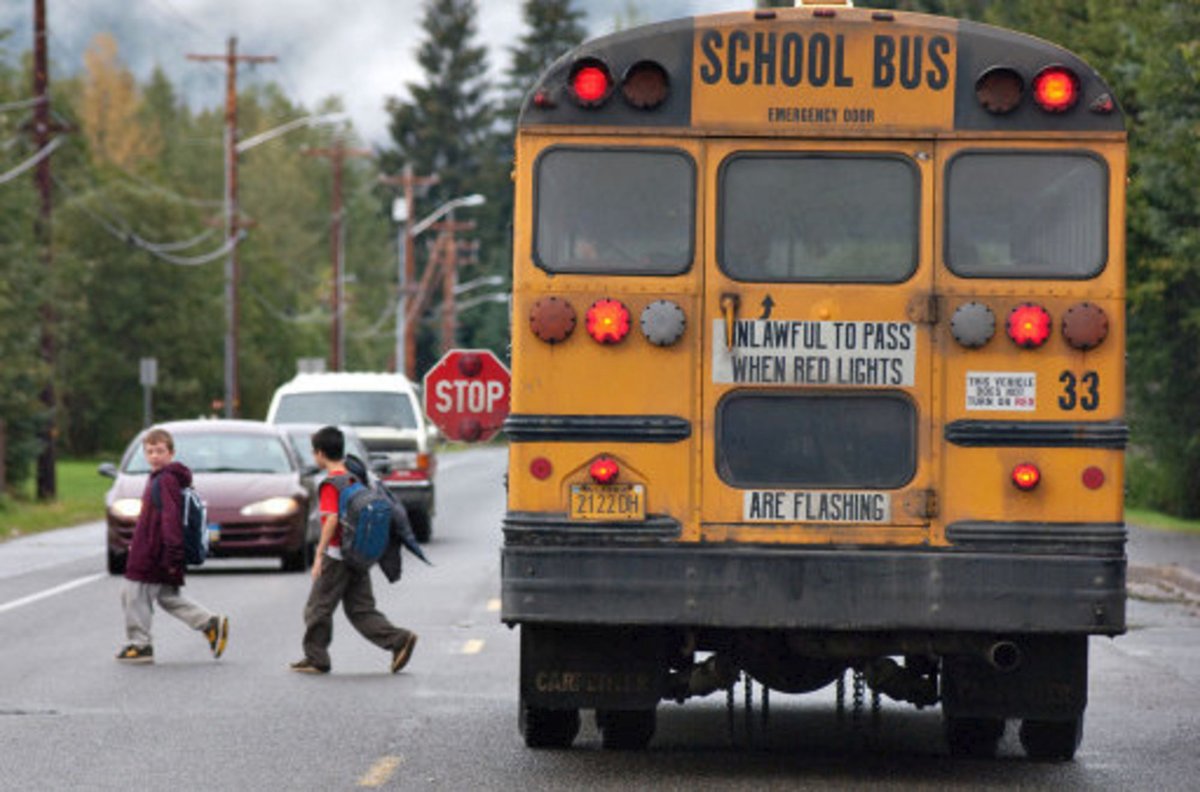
[73,718]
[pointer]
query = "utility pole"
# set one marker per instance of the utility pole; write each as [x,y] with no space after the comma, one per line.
[404,358]
[449,228]
[43,131]
[337,156]
[232,224]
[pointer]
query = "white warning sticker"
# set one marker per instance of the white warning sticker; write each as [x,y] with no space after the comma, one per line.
[1002,390]
[814,506]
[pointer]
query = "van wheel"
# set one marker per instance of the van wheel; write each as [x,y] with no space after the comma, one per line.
[116,563]
[422,525]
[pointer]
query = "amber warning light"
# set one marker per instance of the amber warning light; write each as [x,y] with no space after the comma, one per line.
[608,321]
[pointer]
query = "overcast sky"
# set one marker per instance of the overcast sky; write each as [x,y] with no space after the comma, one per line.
[361,50]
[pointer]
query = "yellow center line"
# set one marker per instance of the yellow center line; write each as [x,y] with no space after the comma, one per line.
[493,605]
[473,646]
[381,772]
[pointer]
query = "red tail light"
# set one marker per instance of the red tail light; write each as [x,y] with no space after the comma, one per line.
[608,321]
[604,470]
[590,82]
[1026,476]
[1029,325]
[1093,477]
[540,468]
[1056,89]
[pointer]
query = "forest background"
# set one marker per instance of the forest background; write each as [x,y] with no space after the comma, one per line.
[138,182]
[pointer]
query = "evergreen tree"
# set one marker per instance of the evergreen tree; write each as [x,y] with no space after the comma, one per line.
[446,126]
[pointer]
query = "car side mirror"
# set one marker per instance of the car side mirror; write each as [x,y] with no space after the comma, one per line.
[107,469]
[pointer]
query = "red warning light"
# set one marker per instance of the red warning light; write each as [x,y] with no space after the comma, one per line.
[608,321]
[1029,325]
[590,83]
[540,468]
[1056,89]
[1026,476]
[1093,477]
[604,470]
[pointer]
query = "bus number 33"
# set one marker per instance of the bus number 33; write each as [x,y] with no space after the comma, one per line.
[1079,391]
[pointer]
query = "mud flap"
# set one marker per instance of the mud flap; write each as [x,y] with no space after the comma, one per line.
[592,667]
[1049,683]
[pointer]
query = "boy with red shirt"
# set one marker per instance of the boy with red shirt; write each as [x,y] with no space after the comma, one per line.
[334,581]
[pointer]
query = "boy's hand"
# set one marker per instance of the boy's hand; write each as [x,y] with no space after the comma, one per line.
[316,567]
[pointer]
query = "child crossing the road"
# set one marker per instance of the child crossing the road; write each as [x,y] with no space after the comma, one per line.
[335,581]
[155,569]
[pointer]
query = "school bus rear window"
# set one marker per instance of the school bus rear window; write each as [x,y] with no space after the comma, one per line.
[818,218]
[1026,215]
[805,440]
[614,211]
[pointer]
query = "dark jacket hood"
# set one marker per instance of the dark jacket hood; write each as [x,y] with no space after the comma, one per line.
[180,471]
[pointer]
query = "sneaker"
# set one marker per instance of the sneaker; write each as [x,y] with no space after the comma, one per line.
[401,655]
[307,666]
[136,654]
[217,633]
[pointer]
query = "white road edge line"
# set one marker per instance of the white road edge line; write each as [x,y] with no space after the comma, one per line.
[41,595]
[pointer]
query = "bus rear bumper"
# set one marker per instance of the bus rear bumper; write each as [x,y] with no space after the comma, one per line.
[812,589]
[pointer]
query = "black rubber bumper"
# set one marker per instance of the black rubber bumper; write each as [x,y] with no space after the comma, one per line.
[802,588]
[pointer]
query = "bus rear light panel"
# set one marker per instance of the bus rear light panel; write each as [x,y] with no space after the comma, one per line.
[552,319]
[608,321]
[1028,325]
[1085,326]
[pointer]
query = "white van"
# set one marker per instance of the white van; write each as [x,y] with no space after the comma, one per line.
[385,410]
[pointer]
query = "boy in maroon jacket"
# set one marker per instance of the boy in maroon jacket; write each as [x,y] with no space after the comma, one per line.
[154,570]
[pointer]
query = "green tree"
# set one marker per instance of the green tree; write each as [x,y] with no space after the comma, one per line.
[445,127]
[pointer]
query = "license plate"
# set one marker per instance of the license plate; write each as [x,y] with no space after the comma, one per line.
[214,533]
[608,502]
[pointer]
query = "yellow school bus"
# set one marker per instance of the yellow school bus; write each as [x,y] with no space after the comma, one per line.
[817,354]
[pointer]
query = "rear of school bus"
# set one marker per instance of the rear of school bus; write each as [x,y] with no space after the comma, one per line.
[818,340]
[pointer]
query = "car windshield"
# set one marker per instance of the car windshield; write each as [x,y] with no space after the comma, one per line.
[363,408]
[222,452]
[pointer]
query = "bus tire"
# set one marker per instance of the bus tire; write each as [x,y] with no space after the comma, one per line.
[1051,741]
[973,737]
[548,728]
[625,730]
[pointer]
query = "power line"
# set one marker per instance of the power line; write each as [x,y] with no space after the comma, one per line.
[42,153]
[4,108]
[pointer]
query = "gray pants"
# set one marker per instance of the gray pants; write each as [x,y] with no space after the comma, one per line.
[339,583]
[138,600]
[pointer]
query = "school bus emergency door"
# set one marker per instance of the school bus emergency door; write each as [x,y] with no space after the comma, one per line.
[818,359]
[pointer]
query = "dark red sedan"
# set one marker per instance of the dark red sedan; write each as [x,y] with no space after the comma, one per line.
[249,477]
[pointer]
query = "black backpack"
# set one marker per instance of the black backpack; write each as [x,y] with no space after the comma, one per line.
[193,518]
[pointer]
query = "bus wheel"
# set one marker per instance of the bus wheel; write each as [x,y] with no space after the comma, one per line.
[548,728]
[976,737]
[1053,741]
[625,730]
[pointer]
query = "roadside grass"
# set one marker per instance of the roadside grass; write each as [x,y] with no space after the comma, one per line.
[1148,518]
[80,499]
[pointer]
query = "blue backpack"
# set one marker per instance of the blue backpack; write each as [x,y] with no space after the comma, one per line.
[194,519]
[365,515]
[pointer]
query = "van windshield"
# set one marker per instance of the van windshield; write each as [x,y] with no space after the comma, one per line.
[361,408]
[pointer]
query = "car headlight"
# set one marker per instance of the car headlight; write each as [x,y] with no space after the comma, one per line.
[271,507]
[127,508]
